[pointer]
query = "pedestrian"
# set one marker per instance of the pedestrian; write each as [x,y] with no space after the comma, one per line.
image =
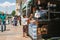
[19,18]
[15,21]
[25,26]
[12,21]
[3,22]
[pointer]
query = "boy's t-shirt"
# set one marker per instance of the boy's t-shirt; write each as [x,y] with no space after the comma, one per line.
[24,21]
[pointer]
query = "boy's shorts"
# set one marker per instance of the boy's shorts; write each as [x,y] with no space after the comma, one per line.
[25,28]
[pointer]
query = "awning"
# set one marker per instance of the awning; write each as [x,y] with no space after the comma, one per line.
[28,0]
[25,8]
[24,5]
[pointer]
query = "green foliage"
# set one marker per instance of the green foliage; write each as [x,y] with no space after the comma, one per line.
[0,12]
[13,13]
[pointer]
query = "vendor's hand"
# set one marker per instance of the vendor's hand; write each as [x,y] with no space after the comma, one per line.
[37,22]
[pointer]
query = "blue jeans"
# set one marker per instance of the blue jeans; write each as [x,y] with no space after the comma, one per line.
[3,26]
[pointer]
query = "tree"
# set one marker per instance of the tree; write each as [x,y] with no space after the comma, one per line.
[13,13]
[0,12]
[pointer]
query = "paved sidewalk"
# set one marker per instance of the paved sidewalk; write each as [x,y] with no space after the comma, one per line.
[13,33]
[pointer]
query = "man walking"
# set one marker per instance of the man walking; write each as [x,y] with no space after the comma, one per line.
[3,22]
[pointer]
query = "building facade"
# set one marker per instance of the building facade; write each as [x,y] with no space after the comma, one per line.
[18,7]
[21,6]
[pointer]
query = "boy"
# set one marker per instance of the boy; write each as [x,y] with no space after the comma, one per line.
[25,27]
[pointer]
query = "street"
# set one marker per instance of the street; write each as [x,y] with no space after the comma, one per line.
[40,19]
[13,33]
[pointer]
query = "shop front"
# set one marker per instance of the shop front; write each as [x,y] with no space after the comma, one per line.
[35,30]
[41,30]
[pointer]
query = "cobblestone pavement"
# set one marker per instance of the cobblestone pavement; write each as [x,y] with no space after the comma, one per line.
[13,33]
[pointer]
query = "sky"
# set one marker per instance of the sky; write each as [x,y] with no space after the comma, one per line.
[7,5]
